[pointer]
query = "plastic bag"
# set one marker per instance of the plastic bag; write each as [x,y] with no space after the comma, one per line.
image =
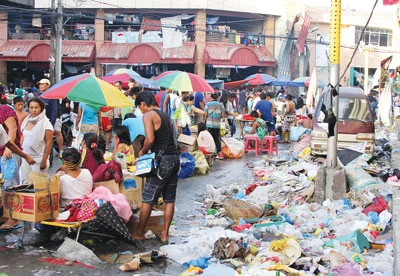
[358,178]
[187,165]
[296,132]
[232,148]
[7,168]
[74,251]
[201,165]
[181,116]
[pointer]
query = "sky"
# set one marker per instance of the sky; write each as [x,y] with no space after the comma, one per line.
[364,5]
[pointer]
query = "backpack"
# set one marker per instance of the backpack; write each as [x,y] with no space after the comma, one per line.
[111,170]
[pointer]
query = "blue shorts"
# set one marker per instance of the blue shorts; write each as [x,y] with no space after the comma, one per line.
[271,126]
[164,183]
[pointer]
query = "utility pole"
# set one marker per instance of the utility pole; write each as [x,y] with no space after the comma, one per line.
[331,182]
[59,34]
[334,66]
[52,44]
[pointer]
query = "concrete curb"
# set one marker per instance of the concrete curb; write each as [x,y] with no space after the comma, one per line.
[396,211]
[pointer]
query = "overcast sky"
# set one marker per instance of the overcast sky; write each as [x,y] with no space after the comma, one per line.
[365,5]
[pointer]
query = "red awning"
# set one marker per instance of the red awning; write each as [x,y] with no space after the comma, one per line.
[39,51]
[235,84]
[222,54]
[148,53]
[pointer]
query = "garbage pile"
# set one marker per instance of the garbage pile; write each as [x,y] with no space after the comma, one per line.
[273,226]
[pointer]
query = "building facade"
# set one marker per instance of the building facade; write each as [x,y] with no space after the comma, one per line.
[228,39]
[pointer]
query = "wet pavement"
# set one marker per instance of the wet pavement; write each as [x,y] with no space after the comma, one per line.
[189,212]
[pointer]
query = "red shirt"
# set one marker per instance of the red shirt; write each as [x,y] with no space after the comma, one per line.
[5,112]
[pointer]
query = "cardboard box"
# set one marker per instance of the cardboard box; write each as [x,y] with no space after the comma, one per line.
[132,187]
[187,143]
[33,203]
[155,222]
[110,184]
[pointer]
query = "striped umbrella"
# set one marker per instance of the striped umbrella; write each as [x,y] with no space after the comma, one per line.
[88,89]
[183,81]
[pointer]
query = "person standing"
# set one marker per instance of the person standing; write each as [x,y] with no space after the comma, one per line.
[88,120]
[300,103]
[215,111]
[38,137]
[117,121]
[243,101]
[265,108]
[199,103]
[288,117]
[9,121]
[52,112]
[160,140]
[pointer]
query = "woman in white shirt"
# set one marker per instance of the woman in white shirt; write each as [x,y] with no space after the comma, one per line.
[74,181]
[38,137]
[205,141]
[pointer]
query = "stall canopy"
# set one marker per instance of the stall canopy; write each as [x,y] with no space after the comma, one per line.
[285,81]
[216,83]
[235,84]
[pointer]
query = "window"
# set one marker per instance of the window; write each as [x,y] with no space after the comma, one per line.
[373,36]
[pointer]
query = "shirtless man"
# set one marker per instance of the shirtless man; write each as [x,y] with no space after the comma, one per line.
[288,118]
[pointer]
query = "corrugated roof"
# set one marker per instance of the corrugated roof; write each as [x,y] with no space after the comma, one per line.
[39,50]
[145,53]
[19,48]
[237,54]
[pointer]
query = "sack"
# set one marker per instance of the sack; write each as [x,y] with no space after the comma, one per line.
[186,131]
[187,165]
[105,172]
[87,210]
[147,165]
[237,209]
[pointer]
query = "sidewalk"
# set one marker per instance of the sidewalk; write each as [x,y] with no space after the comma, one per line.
[396,210]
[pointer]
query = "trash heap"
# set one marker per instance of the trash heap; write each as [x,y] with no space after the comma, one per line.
[273,227]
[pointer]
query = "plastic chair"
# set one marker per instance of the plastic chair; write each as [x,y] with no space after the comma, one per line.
[269,144]
[249,147]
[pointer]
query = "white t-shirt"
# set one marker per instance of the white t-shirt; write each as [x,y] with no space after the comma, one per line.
[72,188]
[206,140]
[30,139]
[3,136]
[255,101]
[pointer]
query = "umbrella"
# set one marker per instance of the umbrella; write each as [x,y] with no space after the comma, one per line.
[285,81]
[257,79]
[108,220]
[183,81]
[119,71]
[306,81]
[88,89]
[125,77]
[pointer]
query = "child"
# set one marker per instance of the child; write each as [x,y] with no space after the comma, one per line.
[19,105]
[92,151]
[259,125]
[123,149]
[205,141]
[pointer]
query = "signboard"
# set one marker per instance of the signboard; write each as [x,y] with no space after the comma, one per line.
[152,36]
[125,37]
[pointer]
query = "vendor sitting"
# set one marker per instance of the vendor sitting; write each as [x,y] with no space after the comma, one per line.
[74,181]
[205,141]
[306,121]
[259,126]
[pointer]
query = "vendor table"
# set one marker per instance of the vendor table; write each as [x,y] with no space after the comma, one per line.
[242,124]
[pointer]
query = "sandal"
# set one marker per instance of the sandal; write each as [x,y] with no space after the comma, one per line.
[5,228]
[161,241]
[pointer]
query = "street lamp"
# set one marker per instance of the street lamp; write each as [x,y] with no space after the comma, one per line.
[366,49]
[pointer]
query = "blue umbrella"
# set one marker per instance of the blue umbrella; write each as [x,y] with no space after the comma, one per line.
[285,81]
